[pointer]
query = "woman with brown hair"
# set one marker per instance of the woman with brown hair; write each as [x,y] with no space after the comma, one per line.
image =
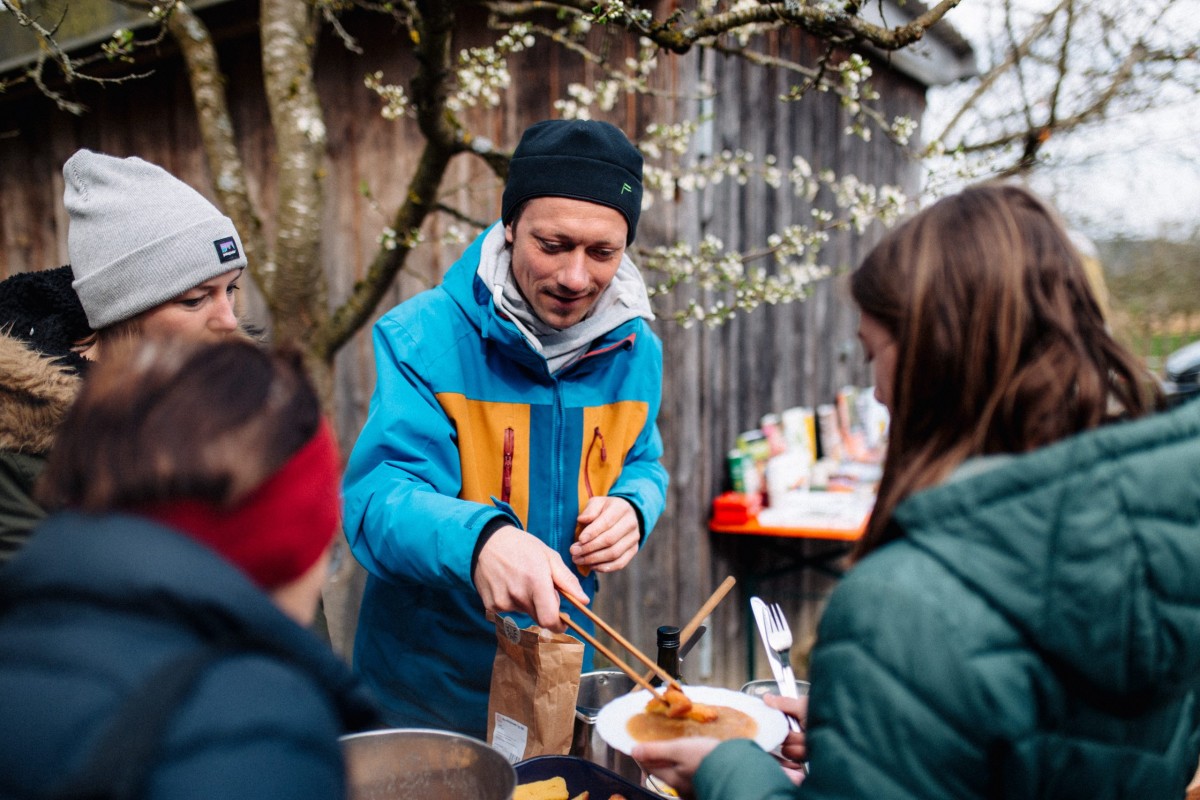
[1022,620]
[198,488]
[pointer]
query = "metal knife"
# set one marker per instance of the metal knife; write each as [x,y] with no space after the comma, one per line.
[686,647]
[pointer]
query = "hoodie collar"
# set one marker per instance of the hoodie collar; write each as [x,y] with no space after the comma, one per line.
[624,299]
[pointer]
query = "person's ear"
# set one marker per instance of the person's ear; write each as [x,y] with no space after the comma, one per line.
[508,233]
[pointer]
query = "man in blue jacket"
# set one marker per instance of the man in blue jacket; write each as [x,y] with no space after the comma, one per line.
[511,450]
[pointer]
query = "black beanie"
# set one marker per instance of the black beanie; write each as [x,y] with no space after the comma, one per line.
[579,159]
[41,309]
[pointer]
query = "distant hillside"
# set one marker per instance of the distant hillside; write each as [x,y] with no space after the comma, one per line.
[1154,288]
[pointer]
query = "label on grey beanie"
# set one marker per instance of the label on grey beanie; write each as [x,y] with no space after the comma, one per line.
[227,249]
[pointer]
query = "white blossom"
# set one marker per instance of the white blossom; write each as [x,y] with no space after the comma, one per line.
[395,101]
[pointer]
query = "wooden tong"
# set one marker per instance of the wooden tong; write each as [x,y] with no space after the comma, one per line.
[684,635]
[611,656]
[611,631]
[689,630]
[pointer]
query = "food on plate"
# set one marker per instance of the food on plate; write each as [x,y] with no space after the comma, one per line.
[676,705]
[676,716]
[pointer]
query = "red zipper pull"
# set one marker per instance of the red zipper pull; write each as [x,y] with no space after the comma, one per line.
[587,480]
[506,480]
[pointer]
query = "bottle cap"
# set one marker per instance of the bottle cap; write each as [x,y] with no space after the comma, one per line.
[668,636]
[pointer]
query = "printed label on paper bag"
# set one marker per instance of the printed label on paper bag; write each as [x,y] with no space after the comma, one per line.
[509,738]
[511,630]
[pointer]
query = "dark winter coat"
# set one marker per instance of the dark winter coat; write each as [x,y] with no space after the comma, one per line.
[1034,634]
[94,605]
[41,318]
[37,390]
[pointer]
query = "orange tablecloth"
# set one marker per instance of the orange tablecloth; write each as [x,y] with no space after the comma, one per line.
[753,527]
[839,516]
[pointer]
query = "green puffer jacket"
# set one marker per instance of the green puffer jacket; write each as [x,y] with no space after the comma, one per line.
[1035,634]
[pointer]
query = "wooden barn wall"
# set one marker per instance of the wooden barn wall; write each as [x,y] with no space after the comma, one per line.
[717,382]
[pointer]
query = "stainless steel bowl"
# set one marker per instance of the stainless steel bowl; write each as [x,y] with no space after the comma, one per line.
[418,764]
[596,689]
[768,686]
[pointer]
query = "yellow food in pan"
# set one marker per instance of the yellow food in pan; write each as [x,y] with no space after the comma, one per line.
[551,789]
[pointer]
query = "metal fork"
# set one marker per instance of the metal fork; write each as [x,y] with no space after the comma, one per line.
[779,638]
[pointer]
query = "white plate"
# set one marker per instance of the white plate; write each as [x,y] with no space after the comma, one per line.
[612,720]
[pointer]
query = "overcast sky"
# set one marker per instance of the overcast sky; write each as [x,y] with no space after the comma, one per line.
[1139,176]
[1136,175]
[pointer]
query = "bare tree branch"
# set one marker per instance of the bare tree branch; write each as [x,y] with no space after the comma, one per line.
[1016,54]
[443,140]
[71,68]
[679,34]
[1090,113]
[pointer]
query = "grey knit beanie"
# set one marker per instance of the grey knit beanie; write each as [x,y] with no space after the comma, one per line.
[138,236]
[581,159]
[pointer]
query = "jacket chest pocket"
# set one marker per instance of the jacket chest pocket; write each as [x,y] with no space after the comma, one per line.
[493,449]
[609,433]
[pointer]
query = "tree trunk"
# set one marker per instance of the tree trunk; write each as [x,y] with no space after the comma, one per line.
[296,291]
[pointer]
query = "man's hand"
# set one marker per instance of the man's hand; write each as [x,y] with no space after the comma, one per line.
[675,761]
[517,572]
[609,537]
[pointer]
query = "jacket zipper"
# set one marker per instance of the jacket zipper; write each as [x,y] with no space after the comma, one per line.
[556,463]
[506,480]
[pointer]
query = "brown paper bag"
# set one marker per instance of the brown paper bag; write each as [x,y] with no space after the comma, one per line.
[535,683]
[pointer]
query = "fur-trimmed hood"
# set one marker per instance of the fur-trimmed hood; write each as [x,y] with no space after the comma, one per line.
[35,393]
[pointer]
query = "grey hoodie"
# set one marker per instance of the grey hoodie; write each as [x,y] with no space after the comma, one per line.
[622,300]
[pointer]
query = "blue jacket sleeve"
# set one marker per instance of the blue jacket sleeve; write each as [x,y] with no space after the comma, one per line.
[643,480]
[403,518]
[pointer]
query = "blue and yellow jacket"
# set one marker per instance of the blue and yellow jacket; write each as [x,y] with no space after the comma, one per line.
[467,423]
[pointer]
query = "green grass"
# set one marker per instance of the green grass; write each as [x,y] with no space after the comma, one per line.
[1158,347]
[1155,347]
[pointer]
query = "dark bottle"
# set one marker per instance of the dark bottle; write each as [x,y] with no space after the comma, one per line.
[668,653]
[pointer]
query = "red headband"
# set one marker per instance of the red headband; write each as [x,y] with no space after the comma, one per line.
[280,530]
